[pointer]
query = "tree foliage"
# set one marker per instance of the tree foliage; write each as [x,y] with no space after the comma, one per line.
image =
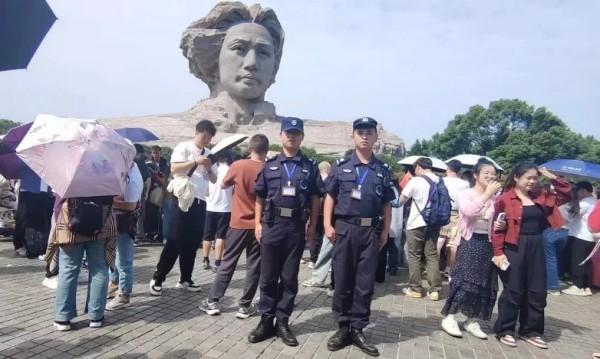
[509,131]
[6,125]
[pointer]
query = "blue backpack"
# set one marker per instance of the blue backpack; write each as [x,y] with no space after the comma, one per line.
[437,210]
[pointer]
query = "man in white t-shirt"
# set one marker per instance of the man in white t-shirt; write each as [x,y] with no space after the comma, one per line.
[120,285]
[218,215]
[583,243]
[186,229]
[454,184]
[420,239]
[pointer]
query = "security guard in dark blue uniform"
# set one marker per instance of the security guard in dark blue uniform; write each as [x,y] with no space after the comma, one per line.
[357,219]
[287,195]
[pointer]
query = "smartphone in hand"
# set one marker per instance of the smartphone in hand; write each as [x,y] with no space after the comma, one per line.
[501,217]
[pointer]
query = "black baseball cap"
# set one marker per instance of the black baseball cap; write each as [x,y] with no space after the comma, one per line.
[364,122]
[291,124]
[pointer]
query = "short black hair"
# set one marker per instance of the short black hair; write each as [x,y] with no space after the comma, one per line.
[138,148]
[424,162]
[454,165]
[585,185]
[206,126]
[259,143]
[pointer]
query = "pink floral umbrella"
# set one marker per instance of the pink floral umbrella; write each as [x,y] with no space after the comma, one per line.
[77,158]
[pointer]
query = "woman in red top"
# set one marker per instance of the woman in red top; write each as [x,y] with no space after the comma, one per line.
[529,211]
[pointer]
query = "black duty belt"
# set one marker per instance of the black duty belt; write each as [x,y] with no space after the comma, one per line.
[360,221]
[293,213]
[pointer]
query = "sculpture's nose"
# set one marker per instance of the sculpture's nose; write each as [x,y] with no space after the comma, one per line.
[250,60]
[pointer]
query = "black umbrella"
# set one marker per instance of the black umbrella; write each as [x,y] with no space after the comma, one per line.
[23,25]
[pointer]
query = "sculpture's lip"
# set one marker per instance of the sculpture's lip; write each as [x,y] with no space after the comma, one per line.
[249,77]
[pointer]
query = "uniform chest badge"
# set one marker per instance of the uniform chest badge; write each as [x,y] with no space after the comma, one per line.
[275,168]
[347,170]
[304,171]
[379,190]
[380,175]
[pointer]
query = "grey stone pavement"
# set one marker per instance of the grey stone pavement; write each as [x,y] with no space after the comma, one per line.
[172,326]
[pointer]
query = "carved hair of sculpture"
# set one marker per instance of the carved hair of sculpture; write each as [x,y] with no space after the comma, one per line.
[202,40]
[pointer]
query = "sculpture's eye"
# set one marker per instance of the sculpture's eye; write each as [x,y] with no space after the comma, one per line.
[265,52]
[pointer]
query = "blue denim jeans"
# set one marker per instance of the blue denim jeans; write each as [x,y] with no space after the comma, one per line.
[123,273]
[166,216]
[71,257]
[554,244]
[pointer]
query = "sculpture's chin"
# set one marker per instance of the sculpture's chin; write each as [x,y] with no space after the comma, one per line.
[247,93]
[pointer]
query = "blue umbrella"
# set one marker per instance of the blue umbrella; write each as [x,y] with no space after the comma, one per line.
[574,168]
[23,26]
[136,134]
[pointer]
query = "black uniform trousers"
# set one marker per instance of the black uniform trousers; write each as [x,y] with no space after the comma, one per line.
[355,257]
[184,238]
[524,294]
[281,249]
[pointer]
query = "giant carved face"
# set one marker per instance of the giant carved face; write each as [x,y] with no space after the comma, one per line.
[246,61]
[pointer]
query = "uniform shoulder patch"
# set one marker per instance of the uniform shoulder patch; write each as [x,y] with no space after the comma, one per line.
[342,160]
[271,158]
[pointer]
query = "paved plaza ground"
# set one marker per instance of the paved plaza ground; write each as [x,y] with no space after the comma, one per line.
[172,326]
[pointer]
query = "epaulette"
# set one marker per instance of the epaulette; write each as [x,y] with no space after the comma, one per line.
[269,159]
[313,162]
[342,160]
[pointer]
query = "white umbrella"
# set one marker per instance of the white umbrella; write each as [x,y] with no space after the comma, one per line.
[77,158]
[228,142]
[470,160]
[437,163]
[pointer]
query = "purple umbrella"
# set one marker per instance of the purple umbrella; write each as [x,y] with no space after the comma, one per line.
[10,163]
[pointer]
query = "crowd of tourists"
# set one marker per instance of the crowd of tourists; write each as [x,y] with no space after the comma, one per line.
[359,220]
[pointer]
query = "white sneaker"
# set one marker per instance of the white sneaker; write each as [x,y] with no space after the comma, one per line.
[435,296]
[96,323]
[574,290]
[63,326]
[21,252]
[474,329]
[311,283]
[311,265]
[190,286]
[450,326]
[588,291]
[302,261]
[155,288]
[330,292]
[209,308]
[245,313]
[41,257]
[51,282]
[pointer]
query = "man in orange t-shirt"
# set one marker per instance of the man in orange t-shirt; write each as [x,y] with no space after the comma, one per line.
[240,237]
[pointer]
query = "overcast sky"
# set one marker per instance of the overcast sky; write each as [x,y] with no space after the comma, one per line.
[412,65]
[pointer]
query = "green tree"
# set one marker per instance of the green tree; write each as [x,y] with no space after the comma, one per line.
[6,125]
[509,131]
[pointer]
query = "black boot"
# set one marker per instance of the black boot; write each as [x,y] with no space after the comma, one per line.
[358,338]
[340,339]
[284,332]
[263,331]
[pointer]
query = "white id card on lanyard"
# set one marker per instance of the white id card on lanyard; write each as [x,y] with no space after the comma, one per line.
[357,192]
[289,190]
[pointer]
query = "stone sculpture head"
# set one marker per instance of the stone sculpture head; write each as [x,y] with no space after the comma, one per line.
[235,49]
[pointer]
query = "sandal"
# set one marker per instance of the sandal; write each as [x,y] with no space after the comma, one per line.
[538,342]
[507,340]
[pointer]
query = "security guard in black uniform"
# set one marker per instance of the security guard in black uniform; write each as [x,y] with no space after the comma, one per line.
[357,219]
[287,195]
